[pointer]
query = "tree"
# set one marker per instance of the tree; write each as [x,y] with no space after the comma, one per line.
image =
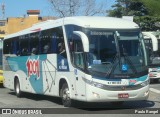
[152,6]
[150,21]
[147,23]
[146,12]
[117,12]
[137,9]
[128,8]
[65,8]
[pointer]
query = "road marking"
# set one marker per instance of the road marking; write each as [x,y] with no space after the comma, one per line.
[154,90]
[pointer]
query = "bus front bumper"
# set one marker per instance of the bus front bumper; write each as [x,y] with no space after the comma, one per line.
[154,75]
[95,94]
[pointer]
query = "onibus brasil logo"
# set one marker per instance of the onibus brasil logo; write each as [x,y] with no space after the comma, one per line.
[32,66]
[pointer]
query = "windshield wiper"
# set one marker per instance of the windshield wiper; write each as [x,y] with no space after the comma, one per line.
[128,60]
[118,56]
[113,67]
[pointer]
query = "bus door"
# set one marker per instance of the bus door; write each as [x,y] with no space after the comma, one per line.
[78,61]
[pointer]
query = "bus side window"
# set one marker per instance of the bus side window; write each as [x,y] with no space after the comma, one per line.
[50,39]
[34,43]
[24,48]
[61,48]
[46,48]
[45,42]
[60,43]
[15,46]
[7,47]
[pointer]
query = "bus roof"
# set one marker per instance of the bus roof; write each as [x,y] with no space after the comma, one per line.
[101,22]
[84,21]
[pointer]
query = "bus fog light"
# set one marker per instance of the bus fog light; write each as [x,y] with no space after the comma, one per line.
[146,93]
[96,95]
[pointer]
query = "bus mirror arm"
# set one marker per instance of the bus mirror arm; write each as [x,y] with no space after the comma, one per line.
[84,39]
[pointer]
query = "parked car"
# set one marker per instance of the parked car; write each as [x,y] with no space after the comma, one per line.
[1,76]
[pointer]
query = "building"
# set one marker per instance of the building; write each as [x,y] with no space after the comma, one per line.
[15,24]
[2,28]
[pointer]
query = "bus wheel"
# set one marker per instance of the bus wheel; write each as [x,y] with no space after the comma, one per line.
[17,88]
[65,95]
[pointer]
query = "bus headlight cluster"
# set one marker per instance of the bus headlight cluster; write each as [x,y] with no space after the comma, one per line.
[145,83]
[98,85]
[95,84]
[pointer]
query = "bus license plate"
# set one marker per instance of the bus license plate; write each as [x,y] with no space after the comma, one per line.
[123,95]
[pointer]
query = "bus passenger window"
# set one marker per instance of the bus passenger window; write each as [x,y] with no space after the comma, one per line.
[34,51]
[23,46]
[7,47]
[24,52]
[46,48]
[62,50]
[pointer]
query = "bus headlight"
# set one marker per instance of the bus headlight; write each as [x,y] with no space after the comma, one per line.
[98,85]
[95,84]
[145,83]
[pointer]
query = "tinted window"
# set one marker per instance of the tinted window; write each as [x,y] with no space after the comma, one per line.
[43,42]
[33,47]
[7,47]
[24,45]
[50,39]
[75,46]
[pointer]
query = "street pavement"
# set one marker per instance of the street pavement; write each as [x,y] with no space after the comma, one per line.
[52,105]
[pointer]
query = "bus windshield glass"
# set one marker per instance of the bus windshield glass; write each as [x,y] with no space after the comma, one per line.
[115,54]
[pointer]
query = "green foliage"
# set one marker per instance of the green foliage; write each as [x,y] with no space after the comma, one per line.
[146,12]
[153,6]
[147,23]
[128,8]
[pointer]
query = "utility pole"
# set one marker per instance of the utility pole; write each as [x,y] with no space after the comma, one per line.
[3,10]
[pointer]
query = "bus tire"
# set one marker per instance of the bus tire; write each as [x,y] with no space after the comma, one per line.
[65,95]
[17,88]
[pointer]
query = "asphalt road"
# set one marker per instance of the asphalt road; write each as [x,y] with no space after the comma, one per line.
[53,105]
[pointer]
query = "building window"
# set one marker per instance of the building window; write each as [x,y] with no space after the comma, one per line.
[2,23]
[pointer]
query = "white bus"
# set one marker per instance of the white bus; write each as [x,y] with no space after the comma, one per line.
[152,42]
[92,59]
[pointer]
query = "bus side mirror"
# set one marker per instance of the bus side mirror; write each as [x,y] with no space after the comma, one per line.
[84,39]
[117,35]
[153,38]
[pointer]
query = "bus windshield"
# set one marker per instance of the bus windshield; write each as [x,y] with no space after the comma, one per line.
[116,54]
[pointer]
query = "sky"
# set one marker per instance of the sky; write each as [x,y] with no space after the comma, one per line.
[18,8]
